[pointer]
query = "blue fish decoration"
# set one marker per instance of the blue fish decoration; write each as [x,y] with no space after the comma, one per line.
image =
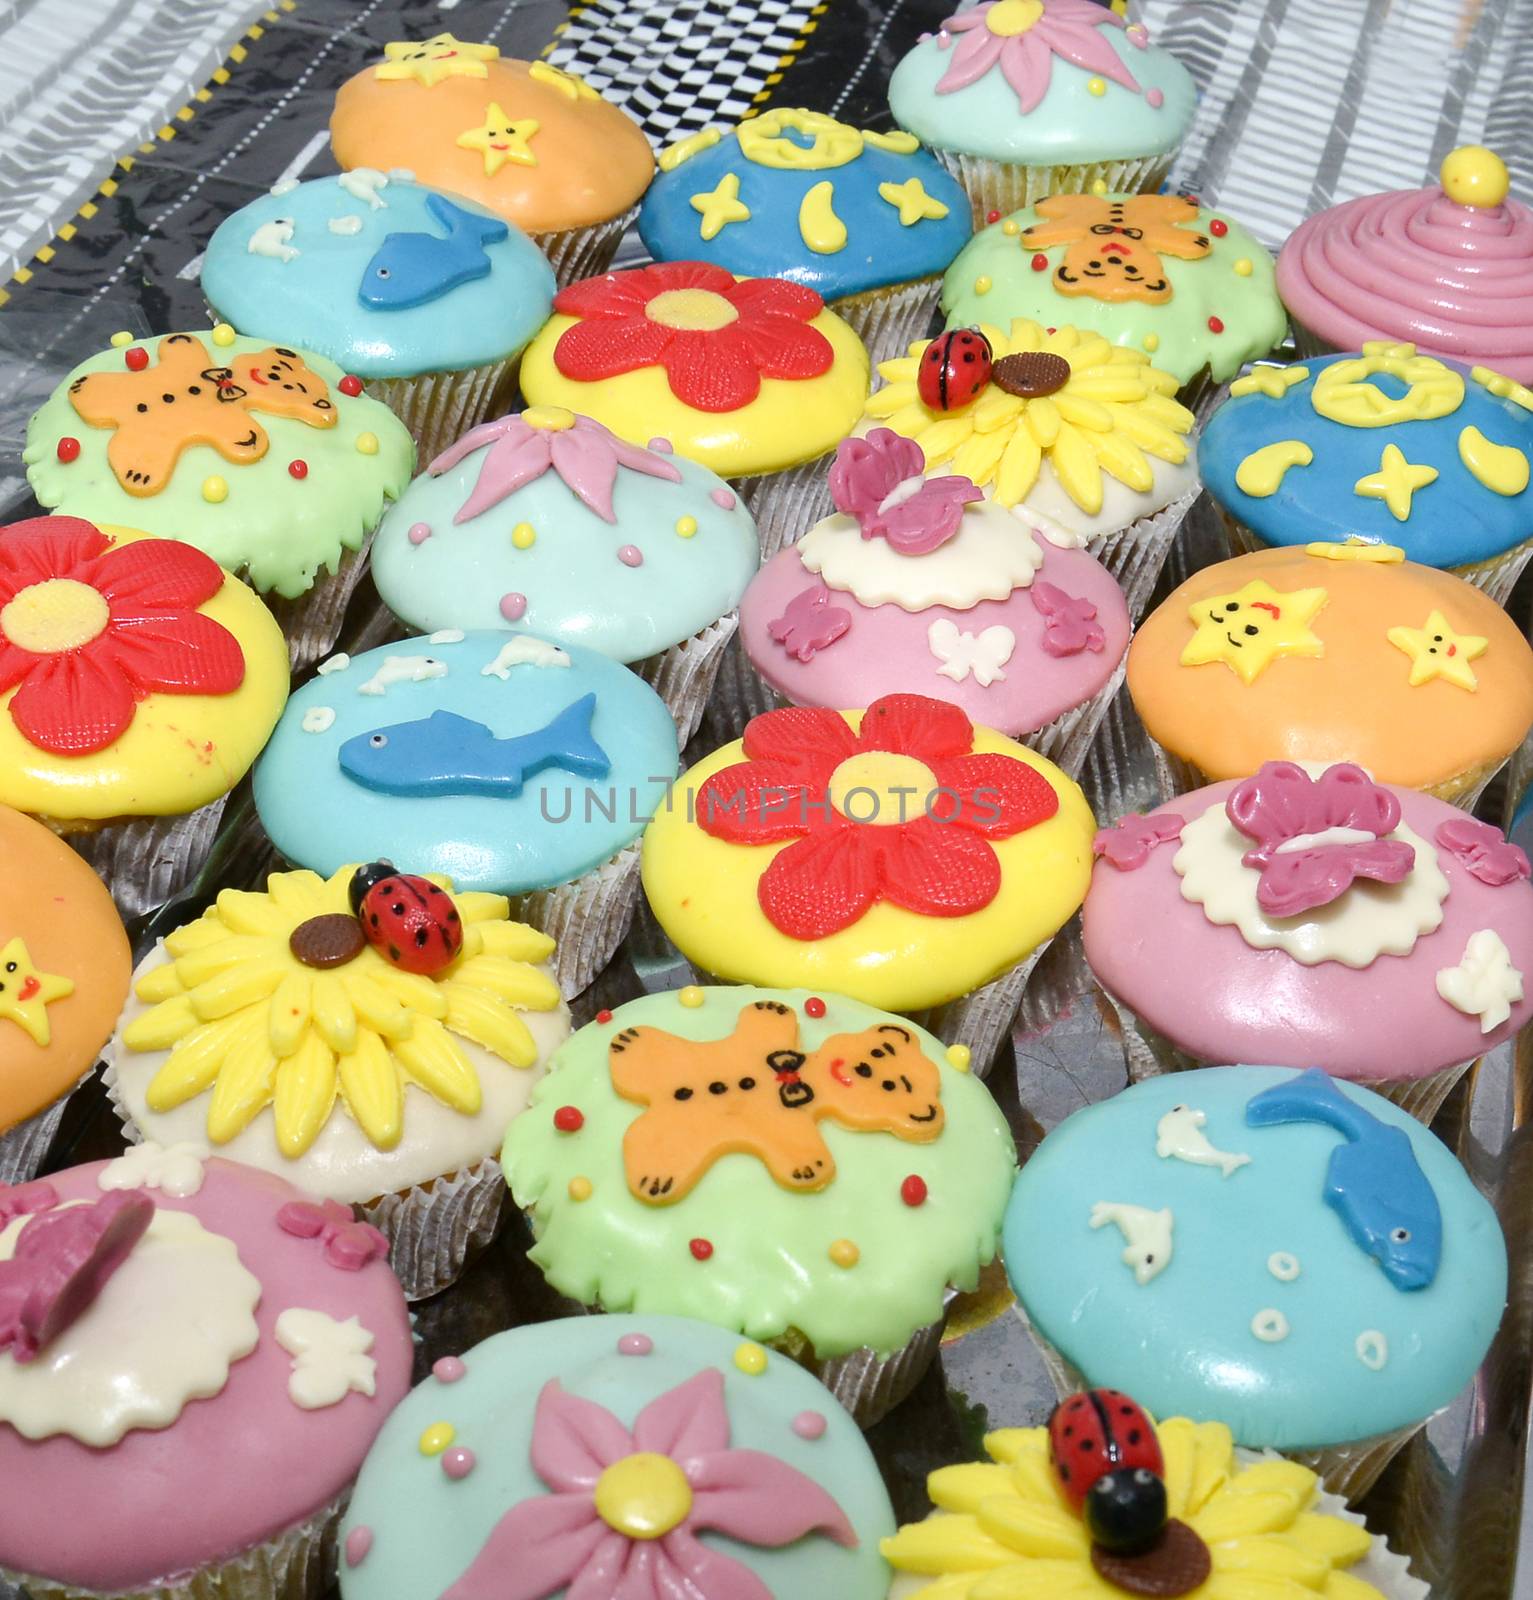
[1374,1182]
[445,754]
[413,269]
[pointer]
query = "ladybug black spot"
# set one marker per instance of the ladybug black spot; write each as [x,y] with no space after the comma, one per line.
[421,935]
[393,952]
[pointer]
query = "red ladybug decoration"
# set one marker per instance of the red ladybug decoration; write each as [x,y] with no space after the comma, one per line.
[954,367]
[411,923]
[1110,1467]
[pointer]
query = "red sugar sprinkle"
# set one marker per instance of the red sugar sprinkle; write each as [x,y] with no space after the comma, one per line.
[569,1119]
[69,449]
[701,1249]
[350,385]
[604,1016]
[814,1006]
[913,1190]
[1040,262]
[992,216]
[137,358]
[1215,325]
[1218,228]
[298,469]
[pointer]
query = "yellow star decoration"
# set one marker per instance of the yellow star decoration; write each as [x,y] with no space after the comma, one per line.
[1436,651]
[1395,482]
[1356,548]
[1249,629]
[1274,382]
[25,993]
[428,61]
[721,206]
[565,82]
[500,139]
[1502,387]
[911,200]
[1113,412]
[242,1016]
[1004,1529]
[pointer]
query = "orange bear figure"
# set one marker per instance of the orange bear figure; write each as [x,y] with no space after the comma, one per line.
[1116,245]
[758,1094]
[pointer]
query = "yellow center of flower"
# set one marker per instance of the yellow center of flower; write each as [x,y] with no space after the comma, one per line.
[881,787]
[551,419]
[58,614]
[1010,17]
[691,310]
[643,1496]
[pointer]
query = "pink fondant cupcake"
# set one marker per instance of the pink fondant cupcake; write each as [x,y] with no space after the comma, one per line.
[194,1360]
[1309,917]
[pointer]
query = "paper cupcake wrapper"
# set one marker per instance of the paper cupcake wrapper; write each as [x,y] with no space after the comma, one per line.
[440,407]
[1136,554]
[983,1019]
[436,1228]
[311,624]
[1005,187]
[684,676]
[587,252]
[786,504]
[24,1148]
[890,320]
[588,918]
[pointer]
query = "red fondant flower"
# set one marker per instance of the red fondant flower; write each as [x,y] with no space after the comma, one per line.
[88,629]
[934,857]
[716,338]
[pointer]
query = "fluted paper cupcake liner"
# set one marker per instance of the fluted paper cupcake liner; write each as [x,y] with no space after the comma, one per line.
[576,253]
[787,504]
[1005,187]
[440,407]
[145,861]
[982,1020]
[684,676]
[436,1228]
[587,918]
[311,624]
[24,1148]
[890,320]
[1136,554]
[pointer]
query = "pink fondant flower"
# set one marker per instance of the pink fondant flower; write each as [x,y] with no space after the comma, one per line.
[881,481]
[585,454]
[1069,623]
[1072,29]
[1128,843]
[564,1542]
[1485,851]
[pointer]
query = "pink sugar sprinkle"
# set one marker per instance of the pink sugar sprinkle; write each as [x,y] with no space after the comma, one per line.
[661,445]
[358,1542]
[458,1463]
[723,498]
[448,1370]
[420,532]
[635,1344]
[809,1425]
[630,555]
[513,607]
[1154,99]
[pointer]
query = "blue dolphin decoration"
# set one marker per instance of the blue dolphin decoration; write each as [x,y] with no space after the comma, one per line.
[1374,1182]
[412,269]
[445,754]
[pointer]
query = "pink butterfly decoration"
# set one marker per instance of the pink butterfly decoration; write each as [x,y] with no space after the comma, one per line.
[22,1199]
[1128,843]
[1315,837]
[348,1244]
[809,623]
[1485,851]
[882,482]
[1069,625]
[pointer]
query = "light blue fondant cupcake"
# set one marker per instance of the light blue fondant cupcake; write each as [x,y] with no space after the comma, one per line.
[427,297]
[548,522]
[1389,446]
[509,764]
[1280,1251]
[867,220]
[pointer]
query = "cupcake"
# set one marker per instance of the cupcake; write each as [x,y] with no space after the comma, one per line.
[1024,98]
[1060,425]
[1448,267]
[368,1037]
[899,856]
[839,1246]
[1436,462]
[1105,1501]
[508,764]
[548,521]
[1185,284]
[138,681]
[270,460]
[173,1328]
[869,221]
[64,969]
[754,379]
[428,299]
[1332,652]
[524,140]
[605,1455]
[942,593]
[1395,929]
[1290,1255]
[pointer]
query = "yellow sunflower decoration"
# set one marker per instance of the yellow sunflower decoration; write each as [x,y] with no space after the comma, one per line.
[242,1015]
[1068,397]
[1004,1531]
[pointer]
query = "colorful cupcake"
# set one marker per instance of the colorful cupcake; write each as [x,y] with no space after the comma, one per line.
[382,1032]
[900,856]
[138,681]
[869,221]
[1332,652]
[170,1328]
[64,965]
[1396,930]
[1061,425]
[1290,1255]
[1154,272]
[754,379]
[534,145]
[270,460]
[429,300]
[597,1454]
[1024,98]
[1448,267]
[508,764]
[922,586]
[547,521]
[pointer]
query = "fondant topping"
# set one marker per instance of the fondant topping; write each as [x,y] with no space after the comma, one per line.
[1022,37]
[1115,245]
[428,61]
[880,480]
[26,992]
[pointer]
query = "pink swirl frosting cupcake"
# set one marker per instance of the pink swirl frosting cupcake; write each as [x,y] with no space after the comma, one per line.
[1449,268]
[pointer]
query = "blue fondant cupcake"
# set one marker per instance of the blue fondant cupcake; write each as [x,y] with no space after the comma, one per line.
[869,221]
[1277,1250]
[509,764]
[1388,446]
[429,298]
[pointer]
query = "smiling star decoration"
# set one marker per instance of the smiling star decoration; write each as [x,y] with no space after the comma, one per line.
[500,139]
[1436,651]
[1249,629]
[428,61]
[25,993]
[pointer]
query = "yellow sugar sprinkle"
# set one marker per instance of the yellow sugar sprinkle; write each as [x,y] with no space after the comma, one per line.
[120,338]
[223,334]
[751,1359]
[982,284]
[580,1188]
[958,1057]
[691,996]
[522,536]
[436,1438]
[1152,341]
[1243,268]
[214,490]
[367,443]
[686,527]
[844,1253]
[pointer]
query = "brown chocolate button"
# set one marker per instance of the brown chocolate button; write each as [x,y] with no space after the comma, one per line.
[1175,1564]
[1031,375]
[329,941]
